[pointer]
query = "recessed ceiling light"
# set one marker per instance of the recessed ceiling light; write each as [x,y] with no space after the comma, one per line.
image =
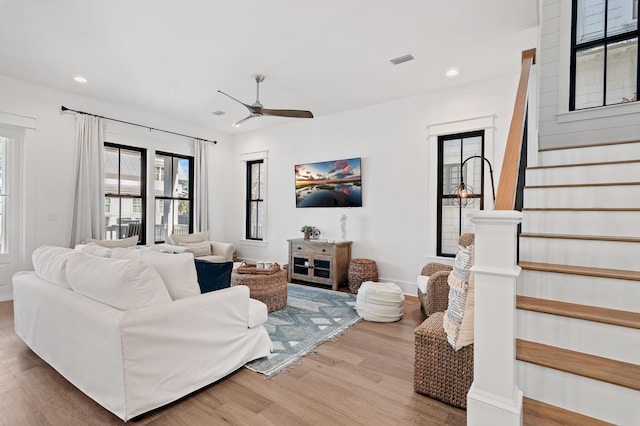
[80,79]
[218,113]
[452,72]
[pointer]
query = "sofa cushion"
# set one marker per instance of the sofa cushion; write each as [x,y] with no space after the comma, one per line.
[458,318]
[177,272]
[213,276]
[202,248]
[197,237]
[94,249]
[50,264]
[123,284]
[125,242]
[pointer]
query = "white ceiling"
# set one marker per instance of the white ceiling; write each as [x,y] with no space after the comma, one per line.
[170,57]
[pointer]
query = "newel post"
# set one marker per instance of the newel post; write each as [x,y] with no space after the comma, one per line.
[494,398]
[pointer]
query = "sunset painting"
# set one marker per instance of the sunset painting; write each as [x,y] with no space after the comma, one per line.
[329,184]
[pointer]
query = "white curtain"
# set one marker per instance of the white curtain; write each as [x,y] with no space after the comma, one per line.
[201,196]
[88,205]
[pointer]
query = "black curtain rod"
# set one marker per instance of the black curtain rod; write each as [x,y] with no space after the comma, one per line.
[64,108]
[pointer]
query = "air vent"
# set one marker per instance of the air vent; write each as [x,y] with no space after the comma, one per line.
[401,59]
[218,113]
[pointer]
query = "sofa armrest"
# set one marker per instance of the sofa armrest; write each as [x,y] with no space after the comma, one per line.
[187,344]
[223,249]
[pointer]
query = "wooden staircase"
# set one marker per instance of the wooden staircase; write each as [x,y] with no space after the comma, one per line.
[578,318]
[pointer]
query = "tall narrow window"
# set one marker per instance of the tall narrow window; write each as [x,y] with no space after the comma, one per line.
[452,218]
[604,53]
[255,200]
[124,184]
[173,190]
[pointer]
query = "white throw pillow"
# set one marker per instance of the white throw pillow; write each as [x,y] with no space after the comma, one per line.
[197,249]
[123,284]
[178,271]
[50,264]
[458,318]
[197,237]
[125,242]
[94,249]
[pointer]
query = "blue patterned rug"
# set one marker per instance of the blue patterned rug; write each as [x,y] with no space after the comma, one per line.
[312,316]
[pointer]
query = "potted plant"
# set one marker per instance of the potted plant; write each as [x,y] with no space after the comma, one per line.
[307,231]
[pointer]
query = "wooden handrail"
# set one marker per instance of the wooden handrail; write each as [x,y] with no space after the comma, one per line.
[507,186]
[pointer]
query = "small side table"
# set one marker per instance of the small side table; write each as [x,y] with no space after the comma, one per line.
[271,289]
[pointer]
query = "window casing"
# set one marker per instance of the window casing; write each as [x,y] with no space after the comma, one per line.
[452,218]
[124,185]
[255,191]
[173,192]
[4,193]
[604,53]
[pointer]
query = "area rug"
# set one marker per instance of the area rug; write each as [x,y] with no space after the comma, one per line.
[312,316]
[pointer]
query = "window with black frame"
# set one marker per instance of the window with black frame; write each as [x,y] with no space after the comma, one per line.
[124,186]
[604,53]
[255,200]
[452,216]
[173,192]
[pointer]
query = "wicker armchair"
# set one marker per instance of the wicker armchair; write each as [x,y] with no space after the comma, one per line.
[441,372]
[436,297]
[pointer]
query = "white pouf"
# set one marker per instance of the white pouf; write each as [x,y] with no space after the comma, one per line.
[379,302]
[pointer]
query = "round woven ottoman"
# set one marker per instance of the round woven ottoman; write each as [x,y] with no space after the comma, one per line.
[361,270]
[271,289]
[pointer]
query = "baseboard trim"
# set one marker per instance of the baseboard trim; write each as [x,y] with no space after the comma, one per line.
[484,408]
[6,293]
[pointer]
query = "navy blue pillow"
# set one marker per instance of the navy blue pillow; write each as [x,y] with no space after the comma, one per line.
[213,276]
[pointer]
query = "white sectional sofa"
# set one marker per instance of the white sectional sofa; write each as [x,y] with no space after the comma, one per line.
[149,350]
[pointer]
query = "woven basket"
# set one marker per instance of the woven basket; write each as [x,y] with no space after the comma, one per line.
[361,270]
[271,289]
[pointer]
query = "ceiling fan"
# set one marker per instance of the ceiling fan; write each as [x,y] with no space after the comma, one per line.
[256,109]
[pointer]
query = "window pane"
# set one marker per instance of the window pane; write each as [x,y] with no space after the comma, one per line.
[590,20]
[256,220]
[451,165]
[161,221]
[180,217]
[589,77]
[473,168]
[622,59]
[130,172]
[110,170]
[162,179]
[182,165]
[620,16]
[256,181]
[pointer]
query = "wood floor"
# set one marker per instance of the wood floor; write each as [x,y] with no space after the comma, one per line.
[365,377]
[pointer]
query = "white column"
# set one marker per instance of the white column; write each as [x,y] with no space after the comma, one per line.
[494,398]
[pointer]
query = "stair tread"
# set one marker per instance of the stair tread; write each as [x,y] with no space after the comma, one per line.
[538,413]
[583,312]
[598,163]
[583,209]
[594,145]
[581,237]
[595,367]
[581,270]
[580,185]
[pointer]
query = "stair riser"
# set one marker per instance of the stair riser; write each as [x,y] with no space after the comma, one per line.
[605,340]
[616,224]
[619,152]
[620,196]
[604,401]
[622,295]
[597,254]
[628,172]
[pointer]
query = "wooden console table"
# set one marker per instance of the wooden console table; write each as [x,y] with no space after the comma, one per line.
[319,262]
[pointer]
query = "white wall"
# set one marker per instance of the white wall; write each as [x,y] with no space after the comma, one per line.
[558,127]
[396,225]
[50,163]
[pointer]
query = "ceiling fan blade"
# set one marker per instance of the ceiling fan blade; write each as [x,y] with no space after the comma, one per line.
[249,107]
[238,123]
[295,113]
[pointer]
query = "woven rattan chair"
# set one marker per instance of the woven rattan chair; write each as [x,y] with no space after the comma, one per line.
[436,297]
[440,372]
